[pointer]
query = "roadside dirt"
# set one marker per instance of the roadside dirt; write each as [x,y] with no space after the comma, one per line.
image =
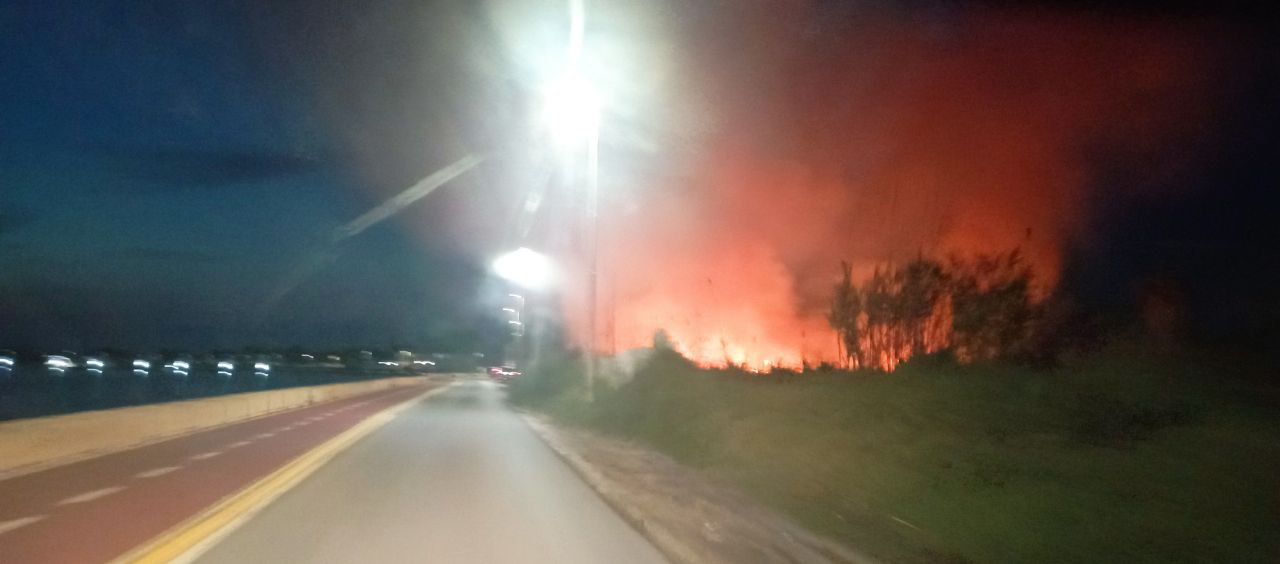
[686,515]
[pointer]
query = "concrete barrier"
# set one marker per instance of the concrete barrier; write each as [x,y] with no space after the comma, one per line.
[27,445]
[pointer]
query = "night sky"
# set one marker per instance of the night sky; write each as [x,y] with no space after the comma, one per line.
[164,164]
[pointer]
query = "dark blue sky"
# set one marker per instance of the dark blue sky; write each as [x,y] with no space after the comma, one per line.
[162,163]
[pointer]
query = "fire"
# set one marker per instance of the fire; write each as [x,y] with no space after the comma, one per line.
[874,147]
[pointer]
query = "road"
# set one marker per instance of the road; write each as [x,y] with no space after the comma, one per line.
[457,478]
[97,509]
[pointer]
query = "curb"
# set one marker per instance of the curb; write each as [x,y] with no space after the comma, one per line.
[671,549]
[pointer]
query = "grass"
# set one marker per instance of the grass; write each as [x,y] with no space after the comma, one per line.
[1112,459]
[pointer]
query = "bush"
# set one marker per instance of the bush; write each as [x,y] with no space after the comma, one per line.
[552,376]
[1113,458]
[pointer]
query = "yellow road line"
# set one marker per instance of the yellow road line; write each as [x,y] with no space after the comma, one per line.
[187,540]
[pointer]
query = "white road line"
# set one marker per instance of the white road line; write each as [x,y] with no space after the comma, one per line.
[266,436]
[206,455]
[6,526]
[90,496]
[239,444]
[154,472]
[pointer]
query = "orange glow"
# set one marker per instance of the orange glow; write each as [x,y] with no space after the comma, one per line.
[873,147]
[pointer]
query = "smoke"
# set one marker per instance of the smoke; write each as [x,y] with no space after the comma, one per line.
[806,139]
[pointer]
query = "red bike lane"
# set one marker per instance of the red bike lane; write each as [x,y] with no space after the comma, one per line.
[97,509]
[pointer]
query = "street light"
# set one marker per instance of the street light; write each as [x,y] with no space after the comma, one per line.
[525,267]
[571,111]
[571,115]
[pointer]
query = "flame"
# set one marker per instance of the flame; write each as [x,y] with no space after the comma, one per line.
[874,147]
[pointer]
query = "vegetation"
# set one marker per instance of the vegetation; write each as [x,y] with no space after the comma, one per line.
[1120,457]
[973,309]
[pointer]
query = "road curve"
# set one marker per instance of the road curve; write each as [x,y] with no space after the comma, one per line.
[456,478]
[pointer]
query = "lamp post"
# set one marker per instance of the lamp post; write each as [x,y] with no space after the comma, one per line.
[572,118]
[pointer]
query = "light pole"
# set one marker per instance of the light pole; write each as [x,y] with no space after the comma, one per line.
[572,117]
[593,271]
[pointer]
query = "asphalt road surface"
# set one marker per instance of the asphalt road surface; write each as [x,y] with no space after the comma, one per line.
[97,509]
[457,478]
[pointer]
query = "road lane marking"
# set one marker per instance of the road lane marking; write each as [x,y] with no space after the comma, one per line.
[265,436]
[188,540]
[239,444]
[206,455]
[6,526]
[90,496]
[154,472]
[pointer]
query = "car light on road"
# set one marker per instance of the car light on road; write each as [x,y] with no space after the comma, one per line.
[58,363]
[262,367]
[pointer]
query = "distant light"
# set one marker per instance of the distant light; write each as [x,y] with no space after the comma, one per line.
[59,362]
[261,374]
[224,373]
[94,370]
[6,361]
[141,364]
[140,372]
[181,364]
[524,267]
[94,363]
[308,357]
[227,365]
[388,363]
[261,366]
[424,362]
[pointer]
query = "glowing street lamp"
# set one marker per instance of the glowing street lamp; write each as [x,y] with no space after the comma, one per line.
[571,114]
[525,267]
[571,111]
